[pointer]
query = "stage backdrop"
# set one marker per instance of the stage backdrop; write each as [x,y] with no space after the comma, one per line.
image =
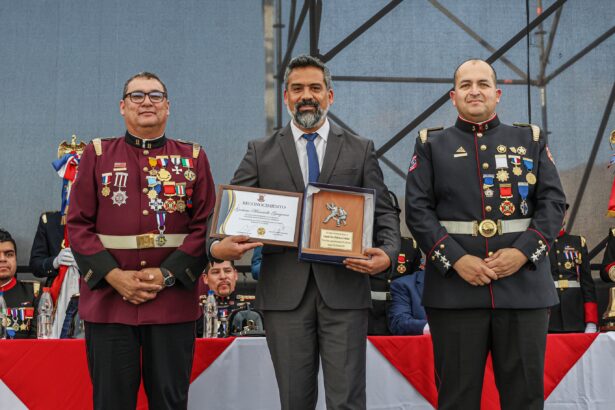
[64,64]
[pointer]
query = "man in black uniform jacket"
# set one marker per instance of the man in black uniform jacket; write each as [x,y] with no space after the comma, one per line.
[577,310]
[47,251]
[484,201]
[20,297]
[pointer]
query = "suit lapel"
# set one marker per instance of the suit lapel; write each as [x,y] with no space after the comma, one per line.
[334,145]
[287,145]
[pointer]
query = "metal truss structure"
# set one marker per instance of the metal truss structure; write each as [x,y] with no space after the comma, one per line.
[312,11]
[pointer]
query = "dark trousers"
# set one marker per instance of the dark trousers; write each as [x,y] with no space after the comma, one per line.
[118,355]
[297,337]
[462,340]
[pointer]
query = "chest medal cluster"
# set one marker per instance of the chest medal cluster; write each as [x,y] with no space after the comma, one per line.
[510,160]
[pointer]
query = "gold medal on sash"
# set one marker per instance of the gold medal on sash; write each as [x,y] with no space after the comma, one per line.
[501,149]
[181,205]
[502,175]
[568,265]
[152,194]
[105,191]
[517,171]
[530,178]
[521,150]
[190,175]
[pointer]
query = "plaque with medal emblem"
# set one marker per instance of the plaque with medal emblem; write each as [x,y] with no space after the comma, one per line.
[337,223]
[265,215]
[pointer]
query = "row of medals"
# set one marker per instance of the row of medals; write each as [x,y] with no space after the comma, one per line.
[25,323]
[162,175]
[570,263]
[507,207]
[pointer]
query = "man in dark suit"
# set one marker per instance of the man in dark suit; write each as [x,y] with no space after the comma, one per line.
[314,309]
[485,202]
[407,314]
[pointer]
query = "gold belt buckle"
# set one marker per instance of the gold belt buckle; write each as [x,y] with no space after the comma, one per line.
[562,283]
[488,228]
[145,241]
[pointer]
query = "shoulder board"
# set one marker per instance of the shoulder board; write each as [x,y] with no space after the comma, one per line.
[583,241]
[97,142]
[535,129]
[196,148]
[36,285]
[425,132]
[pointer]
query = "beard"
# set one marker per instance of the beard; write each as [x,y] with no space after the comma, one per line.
[307,119]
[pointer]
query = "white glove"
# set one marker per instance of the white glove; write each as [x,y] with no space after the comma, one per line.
[591,328]
[426,330]
[65,257]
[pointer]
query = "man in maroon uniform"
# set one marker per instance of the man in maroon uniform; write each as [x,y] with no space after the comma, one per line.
[137,223]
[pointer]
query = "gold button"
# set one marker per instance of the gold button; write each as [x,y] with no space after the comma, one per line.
[540,242]
[145,152]
[488,208]
[490,253]
[485,165]
[556,241]
[442,246]
[145,212]
[145,169]
[561,276]
[145,190]
[483,147]
[433,258]
[559,264]
[143,263]
[557,251]
[479,134]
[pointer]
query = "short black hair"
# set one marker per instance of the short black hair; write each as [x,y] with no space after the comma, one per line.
[210,265]
[5,236]
[146,75]
[305,60]
[495,76]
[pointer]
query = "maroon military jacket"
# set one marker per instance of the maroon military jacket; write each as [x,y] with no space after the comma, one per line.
[120,191]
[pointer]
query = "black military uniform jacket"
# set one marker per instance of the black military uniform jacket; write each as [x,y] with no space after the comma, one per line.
[46,246]
[453,176]
[21,298]
[574,283]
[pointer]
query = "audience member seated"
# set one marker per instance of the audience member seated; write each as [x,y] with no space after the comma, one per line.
[20,296]
[222,279]
[408,261]
[407,315]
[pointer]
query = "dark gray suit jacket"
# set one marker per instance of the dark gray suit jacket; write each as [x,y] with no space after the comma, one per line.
[272,163]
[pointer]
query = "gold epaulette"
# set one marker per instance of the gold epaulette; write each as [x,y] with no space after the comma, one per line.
[535,129]
[36,286]
[97,142]
[246,298]
[583,241]
[196,148]
[425,132]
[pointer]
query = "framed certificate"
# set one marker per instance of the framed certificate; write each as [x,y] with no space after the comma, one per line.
[337,223]
[265,215]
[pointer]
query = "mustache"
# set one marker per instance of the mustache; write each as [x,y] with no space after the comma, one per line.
[306,103]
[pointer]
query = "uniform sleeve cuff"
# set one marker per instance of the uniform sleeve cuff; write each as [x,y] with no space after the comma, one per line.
[94,268]
[591,312]
[533,245]
[186,268]
[444,254]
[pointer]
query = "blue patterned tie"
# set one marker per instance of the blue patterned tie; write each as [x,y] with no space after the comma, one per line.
[313,169]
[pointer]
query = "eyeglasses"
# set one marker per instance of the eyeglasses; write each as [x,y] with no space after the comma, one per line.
[138,97]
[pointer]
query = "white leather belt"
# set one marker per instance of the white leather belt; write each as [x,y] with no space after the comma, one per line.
[145,241]
[381,295]
[486,227]
[565,283]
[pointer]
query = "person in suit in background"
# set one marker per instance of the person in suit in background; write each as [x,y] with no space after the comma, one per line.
[315,310]
[407,314]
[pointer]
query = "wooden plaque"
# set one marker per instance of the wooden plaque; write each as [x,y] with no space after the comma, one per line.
[337,224]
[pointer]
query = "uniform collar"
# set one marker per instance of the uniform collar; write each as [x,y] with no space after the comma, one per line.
[10,285]
[141,143]
[470,126]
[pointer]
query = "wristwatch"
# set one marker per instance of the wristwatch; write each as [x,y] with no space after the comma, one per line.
[169,278]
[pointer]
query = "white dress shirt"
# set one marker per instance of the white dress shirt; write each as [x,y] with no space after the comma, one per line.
[301,144]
